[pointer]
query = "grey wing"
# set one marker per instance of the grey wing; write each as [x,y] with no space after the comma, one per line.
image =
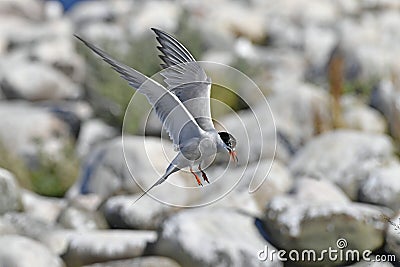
[177,120]
[185,78]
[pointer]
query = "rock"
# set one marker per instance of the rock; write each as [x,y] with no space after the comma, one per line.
[86,12]
[241,187]
[60,54]
[108,171]
[32,33]
[29,9]
[295,223]
[226,238]
[91,134]
[278,181]
[89,202]
[369,39]
[27,225]
[6,228]
[36,130]
[280,129]
[359,116]
[320,191]
[149,261]
[386,99]
[374,262]
[53,10]
[148,214]
[10,195]
[348,157]
[82,213]
[319,43]
[382,187]
[236,200]
[36,81]
[102,32]
[240,20]
[101,246]
[393,236]
[300,115]
[81,219]
[245,126]
[81,110]
[23,252]
[157,14]
[43,208]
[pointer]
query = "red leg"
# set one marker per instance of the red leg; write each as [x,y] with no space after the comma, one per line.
[197,177]
[205,178]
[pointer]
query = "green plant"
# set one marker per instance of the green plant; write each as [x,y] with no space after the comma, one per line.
[361,88]
[49,176]
[10,161]
[53,176]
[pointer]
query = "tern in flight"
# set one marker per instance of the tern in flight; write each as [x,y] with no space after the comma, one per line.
[183,106]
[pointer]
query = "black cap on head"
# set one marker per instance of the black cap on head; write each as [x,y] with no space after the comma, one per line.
[228,139]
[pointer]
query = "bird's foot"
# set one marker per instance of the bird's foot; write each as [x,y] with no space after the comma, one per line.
[204,175]
[198,180]
[197,177]
[205,178]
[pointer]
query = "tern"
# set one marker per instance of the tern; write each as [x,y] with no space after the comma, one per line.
[183,106]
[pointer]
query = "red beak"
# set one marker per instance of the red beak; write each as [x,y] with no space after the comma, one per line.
[232,153]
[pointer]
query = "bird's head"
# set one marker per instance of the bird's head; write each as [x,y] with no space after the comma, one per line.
[229,144]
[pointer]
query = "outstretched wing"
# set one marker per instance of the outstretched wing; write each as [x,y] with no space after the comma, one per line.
[177,120]
[185,78]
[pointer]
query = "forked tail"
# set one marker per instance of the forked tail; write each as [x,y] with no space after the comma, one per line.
[170,170]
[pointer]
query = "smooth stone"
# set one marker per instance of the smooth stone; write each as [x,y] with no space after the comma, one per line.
[348,158]
[19,251]
[34,125]
[104,245]
[118,166]
[148,261]
[60,53]
[386,99]
[10,193]
[27,9]
[382,187]
[27,225]
[37,81]
[92,133]
[393,236]
[147,214]
[359,116]
[278,181]
[46,209]
[81,219]
[295,222]
[225,238]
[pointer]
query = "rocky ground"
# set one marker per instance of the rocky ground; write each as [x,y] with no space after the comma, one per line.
[329,70]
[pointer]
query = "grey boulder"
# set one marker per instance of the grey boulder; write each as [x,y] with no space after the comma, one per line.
[303,221]
[19,251]
[382,187]
[211,237]
[37,81]
[345,157]
[149,261]
[393,236]
[10,195]
[102,246]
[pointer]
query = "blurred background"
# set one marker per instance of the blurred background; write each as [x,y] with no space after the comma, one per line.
[329,70]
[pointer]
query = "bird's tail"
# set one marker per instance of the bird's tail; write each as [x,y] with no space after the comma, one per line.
[170,170]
